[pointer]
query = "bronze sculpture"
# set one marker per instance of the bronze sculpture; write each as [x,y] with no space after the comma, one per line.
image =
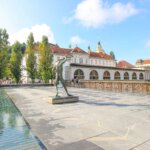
[58,70]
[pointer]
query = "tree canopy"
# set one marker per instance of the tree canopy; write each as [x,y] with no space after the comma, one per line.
[31,58]
[3,39]
[15,61]
[45,60]
[3,52]
[112,55]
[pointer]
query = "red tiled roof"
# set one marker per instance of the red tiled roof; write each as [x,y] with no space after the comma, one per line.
[36,46]
[78,50]
[99,55]
[124,64]
[66,50]
[146,61]
[59,50]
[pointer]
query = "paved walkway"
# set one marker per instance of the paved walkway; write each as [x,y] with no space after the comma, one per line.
[99,121]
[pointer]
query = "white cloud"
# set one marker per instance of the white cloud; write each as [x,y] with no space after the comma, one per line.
[76,40]
[37,30]
[94,13]
[147,44]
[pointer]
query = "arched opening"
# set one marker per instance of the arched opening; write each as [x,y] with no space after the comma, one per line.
[117,75]
[106,75]
[134,76]
[126,76]
[79,73]
[141,76]
[93,75]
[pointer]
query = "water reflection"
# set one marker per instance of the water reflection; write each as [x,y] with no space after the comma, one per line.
[14,133]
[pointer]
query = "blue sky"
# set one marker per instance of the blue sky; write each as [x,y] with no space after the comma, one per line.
[121,26]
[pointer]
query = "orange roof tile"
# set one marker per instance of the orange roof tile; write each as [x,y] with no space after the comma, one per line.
[124,64]
[146,61]
[100,55]
[78,50]
[59,50]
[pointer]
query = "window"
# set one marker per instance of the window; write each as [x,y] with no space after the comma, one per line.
[86,61]
[134,76]
[111,63]
[79,73]
[81,60]
[126,76]
[106,63]
[93,75]
[106,75]
[103,62]
[74,60]
[117,76]
[91,62]
[141,77]
[100,62]
[95,62]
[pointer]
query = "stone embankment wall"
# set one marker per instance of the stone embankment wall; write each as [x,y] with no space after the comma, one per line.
[118,86]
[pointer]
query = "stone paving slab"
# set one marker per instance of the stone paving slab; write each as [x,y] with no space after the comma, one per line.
[101,120]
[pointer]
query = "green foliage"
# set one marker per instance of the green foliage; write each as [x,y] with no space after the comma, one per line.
[3,63]
[45,60]
[3,39]
[3,52]
[15,61]
[112,55]
[31,58]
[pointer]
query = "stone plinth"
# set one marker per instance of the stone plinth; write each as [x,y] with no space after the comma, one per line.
[61,100]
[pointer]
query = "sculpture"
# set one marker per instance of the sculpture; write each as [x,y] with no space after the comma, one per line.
[58,70]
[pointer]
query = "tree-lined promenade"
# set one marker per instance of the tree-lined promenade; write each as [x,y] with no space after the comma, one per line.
[11,59]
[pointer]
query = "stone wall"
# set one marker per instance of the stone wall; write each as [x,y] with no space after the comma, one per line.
[118,86]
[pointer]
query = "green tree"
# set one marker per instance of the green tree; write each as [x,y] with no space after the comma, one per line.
[3,52]
[3,39]
[112,55]
[31,58]
[45,60]
[15,61]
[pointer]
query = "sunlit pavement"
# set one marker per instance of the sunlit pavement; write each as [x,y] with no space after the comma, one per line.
[100,120]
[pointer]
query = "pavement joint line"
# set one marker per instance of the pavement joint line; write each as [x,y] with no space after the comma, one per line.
[139,144]
[95,135]
[60,118]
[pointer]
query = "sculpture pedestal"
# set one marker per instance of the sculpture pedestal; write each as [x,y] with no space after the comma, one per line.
[61,100]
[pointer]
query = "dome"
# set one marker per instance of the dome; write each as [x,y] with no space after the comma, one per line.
[99,48]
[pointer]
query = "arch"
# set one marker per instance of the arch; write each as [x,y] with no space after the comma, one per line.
[117,75]
[126,76]
[141,76]
[79,73]
[134,76]
[93,75]
[106,75]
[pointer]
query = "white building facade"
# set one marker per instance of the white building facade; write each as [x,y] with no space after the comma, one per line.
[89,65]
[145,65]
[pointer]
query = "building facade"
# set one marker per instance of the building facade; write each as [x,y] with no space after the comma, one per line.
[89,65]
[145,65]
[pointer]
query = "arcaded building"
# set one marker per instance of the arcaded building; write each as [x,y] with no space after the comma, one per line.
[91,65]
[95,65]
